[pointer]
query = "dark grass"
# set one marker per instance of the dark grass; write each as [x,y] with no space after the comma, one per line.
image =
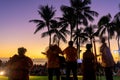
[46,78]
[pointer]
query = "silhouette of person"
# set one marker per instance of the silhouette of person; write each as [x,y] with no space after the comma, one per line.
[19,66]
[88,64]
[107,60]
[71,60]
[53,64]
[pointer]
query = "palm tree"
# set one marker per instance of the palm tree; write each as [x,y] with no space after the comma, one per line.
[117,27]
[106,25]
[81,36]
[82,11]
[116,20]
[58,32]
[60,35]
[90,31]
[91,34]
[47,13]
[68,19]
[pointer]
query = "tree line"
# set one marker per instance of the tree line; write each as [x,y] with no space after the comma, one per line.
[75,23]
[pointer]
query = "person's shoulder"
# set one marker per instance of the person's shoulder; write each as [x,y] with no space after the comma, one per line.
[28,58]
[14,56]
[85,52]
[75,48]
[66,48]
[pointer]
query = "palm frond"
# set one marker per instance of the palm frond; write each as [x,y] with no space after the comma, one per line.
[86,2]
[39,27]
[55,38]
[44,34]
[46,12]
[102,32]
[93,13]
[36,21]
[75,3]
[104,20]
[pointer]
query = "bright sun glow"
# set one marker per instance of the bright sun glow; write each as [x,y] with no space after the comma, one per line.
[2,72]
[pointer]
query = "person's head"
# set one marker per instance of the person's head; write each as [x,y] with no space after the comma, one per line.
[21,50]
[88,46]
[70,43]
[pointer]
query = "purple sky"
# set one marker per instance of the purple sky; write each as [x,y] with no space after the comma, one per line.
[16,31]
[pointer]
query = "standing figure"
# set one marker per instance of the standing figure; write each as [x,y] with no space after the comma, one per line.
[71,60]
[107,60]
[88,64]
[53,63]
[19,66]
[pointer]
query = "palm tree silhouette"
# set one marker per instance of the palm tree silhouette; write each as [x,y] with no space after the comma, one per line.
[117,27]
[82,11]
[106,25]
[58,32]
[91,34]
[81,36]
[116,20]
[47,13]
[68,19]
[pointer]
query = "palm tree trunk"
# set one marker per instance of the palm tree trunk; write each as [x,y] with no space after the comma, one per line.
[95,50]
[50,39]
[71,35]
[79,48]
[118,48]
[91,41]
[49,34]
[78,44]
[58,42]
[109,39]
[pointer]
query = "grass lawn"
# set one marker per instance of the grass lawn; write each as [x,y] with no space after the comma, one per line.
[46,78]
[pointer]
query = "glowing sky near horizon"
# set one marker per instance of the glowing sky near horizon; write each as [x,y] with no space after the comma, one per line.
[16,31]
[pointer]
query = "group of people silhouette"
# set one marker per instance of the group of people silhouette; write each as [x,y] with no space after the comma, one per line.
[53,63]
[19,65]
[89,63]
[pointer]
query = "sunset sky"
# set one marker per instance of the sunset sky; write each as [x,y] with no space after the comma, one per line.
[16,31]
